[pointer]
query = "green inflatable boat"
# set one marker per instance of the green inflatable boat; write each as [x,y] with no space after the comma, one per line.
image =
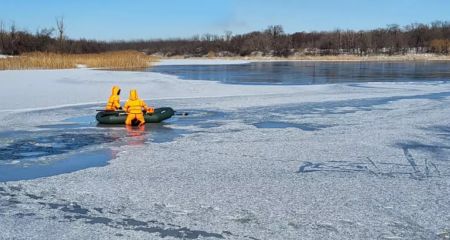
[118,117]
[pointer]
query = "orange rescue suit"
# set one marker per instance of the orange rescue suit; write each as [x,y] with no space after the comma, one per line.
[114,100]
[135,107]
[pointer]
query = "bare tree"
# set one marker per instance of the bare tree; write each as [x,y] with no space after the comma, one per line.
[13,39]
[43,39]
[228,36]
[2,37]
[61,28]
[275,31]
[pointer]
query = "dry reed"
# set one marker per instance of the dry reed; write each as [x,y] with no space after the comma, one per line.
[109,60]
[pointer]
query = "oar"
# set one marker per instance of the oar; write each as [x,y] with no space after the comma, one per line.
[122,111]
[110,111]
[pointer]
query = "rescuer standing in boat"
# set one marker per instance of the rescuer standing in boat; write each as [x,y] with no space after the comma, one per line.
[114,100]
[135,108]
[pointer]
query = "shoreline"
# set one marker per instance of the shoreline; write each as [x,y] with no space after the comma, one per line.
[177,60]
[343,58]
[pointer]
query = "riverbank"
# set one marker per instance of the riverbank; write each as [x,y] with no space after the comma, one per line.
[340,58]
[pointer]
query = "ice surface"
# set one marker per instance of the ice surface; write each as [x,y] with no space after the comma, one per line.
[307,73]
[372,164]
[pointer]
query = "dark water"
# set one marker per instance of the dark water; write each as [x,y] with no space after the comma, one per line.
[49,143]
[303,73]
[80,142]
[72,163]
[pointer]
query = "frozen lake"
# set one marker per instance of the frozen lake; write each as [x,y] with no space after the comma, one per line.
[332,161]
[311,72]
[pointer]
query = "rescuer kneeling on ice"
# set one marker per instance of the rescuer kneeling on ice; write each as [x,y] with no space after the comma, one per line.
[136,108]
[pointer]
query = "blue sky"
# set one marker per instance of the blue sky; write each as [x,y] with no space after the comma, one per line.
[140,19]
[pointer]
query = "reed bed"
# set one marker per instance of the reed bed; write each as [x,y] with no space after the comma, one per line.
[108,60]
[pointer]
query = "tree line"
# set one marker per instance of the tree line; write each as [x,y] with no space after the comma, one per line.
[272,41]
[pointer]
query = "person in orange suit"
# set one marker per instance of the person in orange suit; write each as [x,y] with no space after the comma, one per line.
[114,100]
[135,108]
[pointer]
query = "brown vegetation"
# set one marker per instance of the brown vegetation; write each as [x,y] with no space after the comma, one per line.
[440,45]
[110,60]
